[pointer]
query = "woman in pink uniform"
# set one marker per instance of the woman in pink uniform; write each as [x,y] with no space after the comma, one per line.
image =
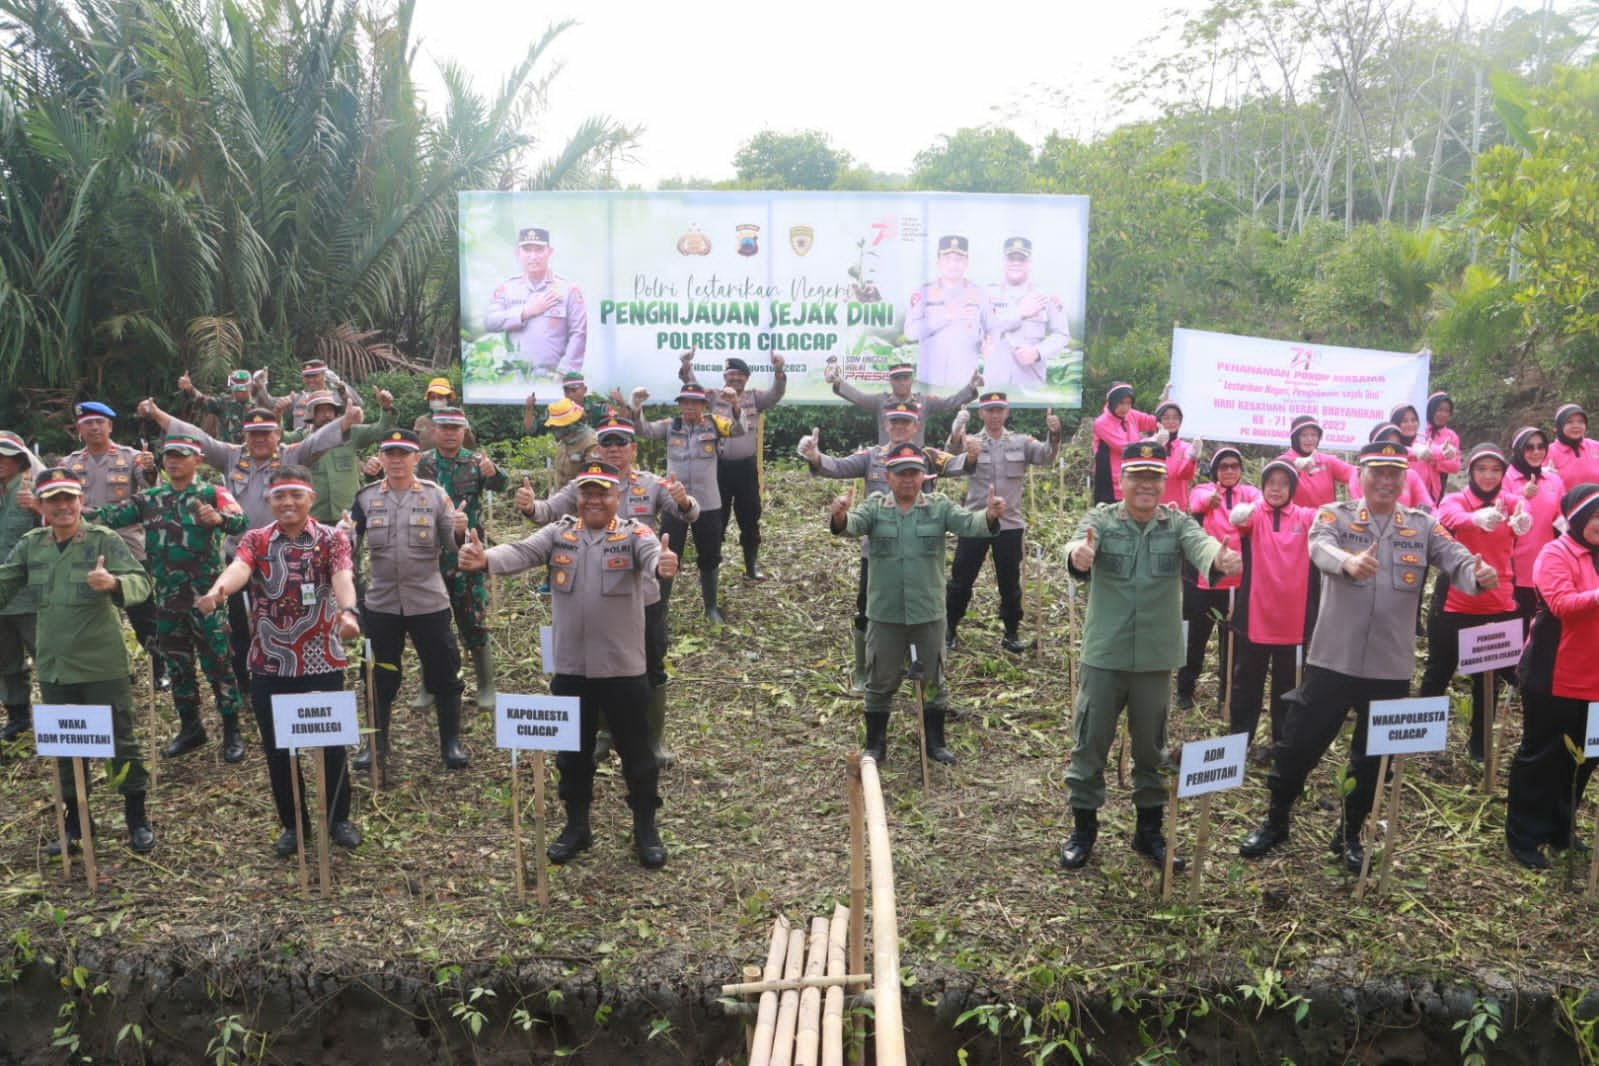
[1480,517]
[1117,426]
[1536,490]
[1574,456]
[1182,459]
[1438,449]
[1319,474]
[1269,620]
[1212,504]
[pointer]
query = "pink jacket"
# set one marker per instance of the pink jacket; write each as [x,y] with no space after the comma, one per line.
[1569,584]
[1319,484]
[1435,468]
[1276,579]
[1180,468]
[1544,508]
[1116,433]
[1495,548]
[1575,469]
[1216,522]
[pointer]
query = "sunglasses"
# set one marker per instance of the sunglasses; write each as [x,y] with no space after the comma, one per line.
[614,441]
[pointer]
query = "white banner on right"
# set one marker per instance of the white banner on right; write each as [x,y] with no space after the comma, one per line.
[1248,390]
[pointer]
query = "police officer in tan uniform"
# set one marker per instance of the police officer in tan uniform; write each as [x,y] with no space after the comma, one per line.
[1029,324]
[951,318]
[601,568]
[406,523]
[541,313]
[1373,556]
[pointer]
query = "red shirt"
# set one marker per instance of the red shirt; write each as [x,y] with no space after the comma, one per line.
[1276,579]
[1568,581]
[1180,468]
[1495,548]
[293,611]
[1218,524]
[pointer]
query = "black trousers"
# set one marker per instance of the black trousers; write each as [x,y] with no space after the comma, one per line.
[969,555]
[434,638]
[1250,663]
[1443,658]
[239,639]
[1543,773]
[739,481]
[337,802]
[707,528]
[1201,609]
[620,700]
[1316,712]
[655,643]
[860,597]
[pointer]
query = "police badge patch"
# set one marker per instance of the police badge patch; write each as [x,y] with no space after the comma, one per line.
[801,239]
[748,239]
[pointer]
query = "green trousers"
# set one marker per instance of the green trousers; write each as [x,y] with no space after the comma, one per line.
[119,694]
[1101,696]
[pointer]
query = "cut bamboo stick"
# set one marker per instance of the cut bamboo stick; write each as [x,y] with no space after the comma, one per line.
[1390,836]
[755,988]
[766,1015]
[788,1002]
[833,1004]
[857,897]
[752,975]
[889,1040]
[808,1028]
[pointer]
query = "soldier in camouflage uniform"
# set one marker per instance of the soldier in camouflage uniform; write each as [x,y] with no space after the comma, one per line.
[183,525]
[229,411]
[463,475]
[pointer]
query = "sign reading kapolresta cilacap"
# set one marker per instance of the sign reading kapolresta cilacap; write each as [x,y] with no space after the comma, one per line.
[617,285]
[1408,726]
[73,730]
[1212,765]
[537,723]
[315,720]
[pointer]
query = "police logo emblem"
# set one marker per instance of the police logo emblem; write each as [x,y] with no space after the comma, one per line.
[801,239]
[1146,452]
[748,239]
[1410,577]
[694,243]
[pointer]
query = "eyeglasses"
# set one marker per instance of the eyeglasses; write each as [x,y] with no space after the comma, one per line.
[614,442]
[1538,446]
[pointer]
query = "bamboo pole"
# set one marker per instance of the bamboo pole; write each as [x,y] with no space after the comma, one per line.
[1201,843]
[1390,837]
[788,1001]
[299,819]
[541,873]
[752,975]
[1072,647]
[755,986]
[808,1029]
[833,1003]
[155,737]
[516,828]
[766,1014]
[857,896]
[1227,682]
[371,714]
[1490,749]
[1593,863]
[324,861]
[61,825]
[1171,846]
[918,682]
[91,869]
[1372,821]
[890,1036]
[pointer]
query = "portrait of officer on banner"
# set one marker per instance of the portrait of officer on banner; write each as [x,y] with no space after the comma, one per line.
[540,313]
[950,319]
[1030,327]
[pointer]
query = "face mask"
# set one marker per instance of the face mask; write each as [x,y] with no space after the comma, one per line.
[437,405]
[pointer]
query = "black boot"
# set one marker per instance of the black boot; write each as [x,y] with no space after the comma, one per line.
[375,742]
[575,836]
[951,637]
[141,838]
[647,840]
[933,722]
[1148,840]
[1268,834]
[1011,642]
[876,736]
[190,736]
[450,731]
[19,720]
[1345,840]
[708,582]
[1080,845]
[752,569]
[74,831]
[232,740]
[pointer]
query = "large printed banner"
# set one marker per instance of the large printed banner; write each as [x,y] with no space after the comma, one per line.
[1248,390]
[619,284]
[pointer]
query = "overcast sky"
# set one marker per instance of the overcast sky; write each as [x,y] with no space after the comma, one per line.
[884,80]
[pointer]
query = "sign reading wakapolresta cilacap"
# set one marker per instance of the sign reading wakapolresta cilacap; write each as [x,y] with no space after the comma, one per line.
[617,285]
[1408,726]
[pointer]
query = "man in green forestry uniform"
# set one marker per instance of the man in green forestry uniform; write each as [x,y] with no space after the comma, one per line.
[78,576]
[1130,553]
[464,475]
[336,473]
[18,514]
[184,521]
[905,586]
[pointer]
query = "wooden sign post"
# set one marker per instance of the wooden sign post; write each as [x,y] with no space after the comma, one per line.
[315,720]
[75,732]
[1397,728]
[368,666]
[1207,767]
[918,680]
[537,724]
[1488,649]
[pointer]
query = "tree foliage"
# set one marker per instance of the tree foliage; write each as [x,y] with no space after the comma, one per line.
[802,160]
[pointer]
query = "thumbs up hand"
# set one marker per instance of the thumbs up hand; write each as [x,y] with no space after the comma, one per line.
[1082,557]
[1362,566]
[666,562]
[1521,521]
[472,556]
[524,496]
[1487,519]
[675,489]
[100,579]
[840,508]
[346,524]
[1052,422]
[995,509]
[809,448]
[458,522]
[1487,577]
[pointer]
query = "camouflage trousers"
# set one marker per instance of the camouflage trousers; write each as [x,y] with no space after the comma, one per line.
[469,602]
[183,636]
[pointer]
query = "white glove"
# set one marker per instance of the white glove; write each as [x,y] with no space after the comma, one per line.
[1162,436]
[1422,452]
[1241,514]
[1561,525]
[958,427]
[1197,447]
[637,398]
[1304,463]
[1487,519]
[1448,451]
[1520,523]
